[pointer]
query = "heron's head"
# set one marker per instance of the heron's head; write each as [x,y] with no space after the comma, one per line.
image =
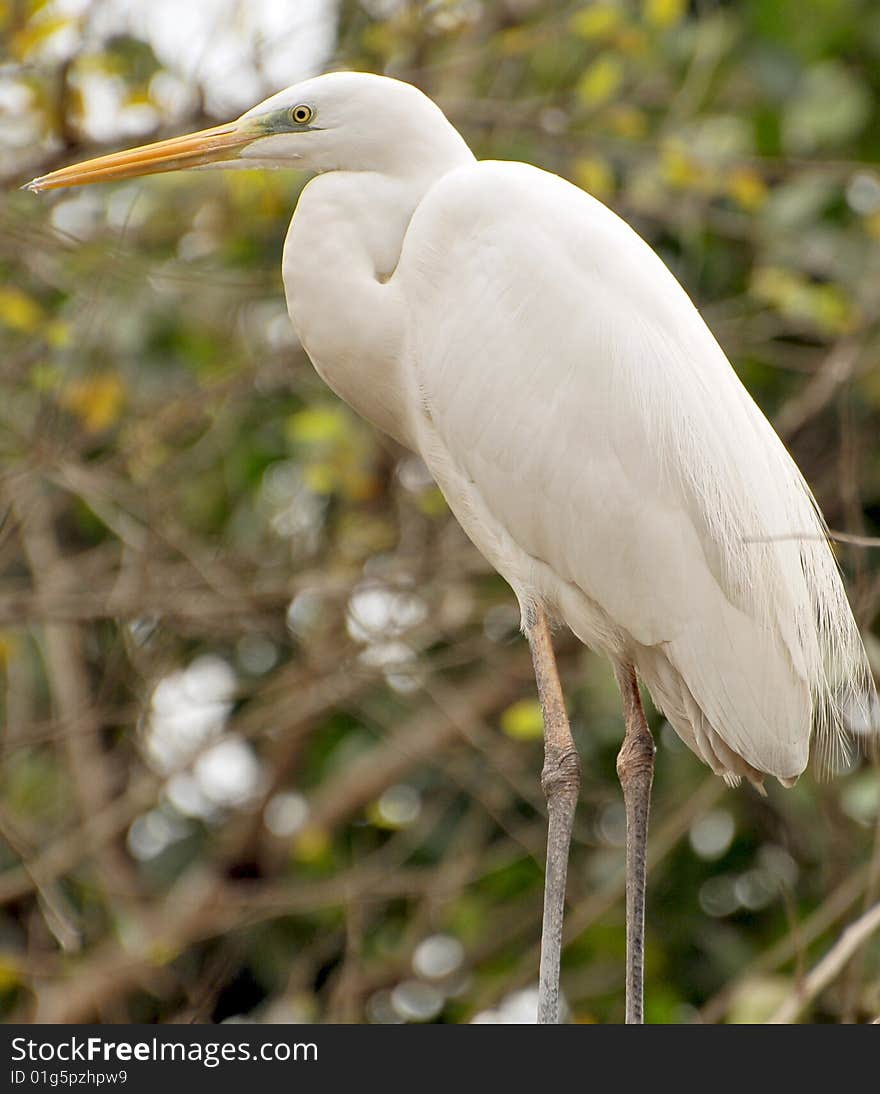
[349,121]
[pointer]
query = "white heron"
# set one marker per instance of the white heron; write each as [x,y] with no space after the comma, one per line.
[585,427]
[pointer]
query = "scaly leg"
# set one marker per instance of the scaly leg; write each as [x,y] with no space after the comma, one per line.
[635,769]
[560,781]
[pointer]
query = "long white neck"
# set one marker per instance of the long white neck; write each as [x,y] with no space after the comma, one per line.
[341,252]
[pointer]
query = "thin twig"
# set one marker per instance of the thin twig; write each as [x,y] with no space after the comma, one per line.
[822,974]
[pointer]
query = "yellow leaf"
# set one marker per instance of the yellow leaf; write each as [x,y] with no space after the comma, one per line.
[362,535]
[359,483]
[45,377]
[600,81]
[681,170]
[35,34]
[833,311]
[747,188]
[144,456]
[770,283]
[432,503]
[595,20]
[96,401]
[10,972]
[594,175]
[514,41]
[162,952]
[317,425]
[627,121]
[139,97]
[523,720]
[18,310]
[58,334]
[826,307]
[8,648]
[631,40]
[311,845]
[663,13]
[380,38]
[872,225]
[320,478]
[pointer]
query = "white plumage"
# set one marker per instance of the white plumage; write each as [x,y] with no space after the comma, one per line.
[585,427]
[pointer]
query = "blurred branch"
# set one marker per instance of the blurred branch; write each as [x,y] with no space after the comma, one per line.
[68,851]
[856,971]
[56,912]
[836,905]
[87,761]
[422,738]
[198,906]
[813,397]
[854,936]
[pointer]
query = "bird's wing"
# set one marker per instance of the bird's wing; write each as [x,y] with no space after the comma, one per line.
[579,415]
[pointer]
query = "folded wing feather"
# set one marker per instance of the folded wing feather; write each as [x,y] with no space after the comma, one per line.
[570,390]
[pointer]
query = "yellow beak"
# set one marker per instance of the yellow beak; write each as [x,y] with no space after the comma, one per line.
[192,150]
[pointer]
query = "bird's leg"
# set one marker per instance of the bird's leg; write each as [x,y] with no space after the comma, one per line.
[635,769]
[560,781]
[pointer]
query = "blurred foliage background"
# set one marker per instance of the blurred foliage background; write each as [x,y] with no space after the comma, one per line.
[270,744]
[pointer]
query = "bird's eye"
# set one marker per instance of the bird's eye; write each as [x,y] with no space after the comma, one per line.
[301,114]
